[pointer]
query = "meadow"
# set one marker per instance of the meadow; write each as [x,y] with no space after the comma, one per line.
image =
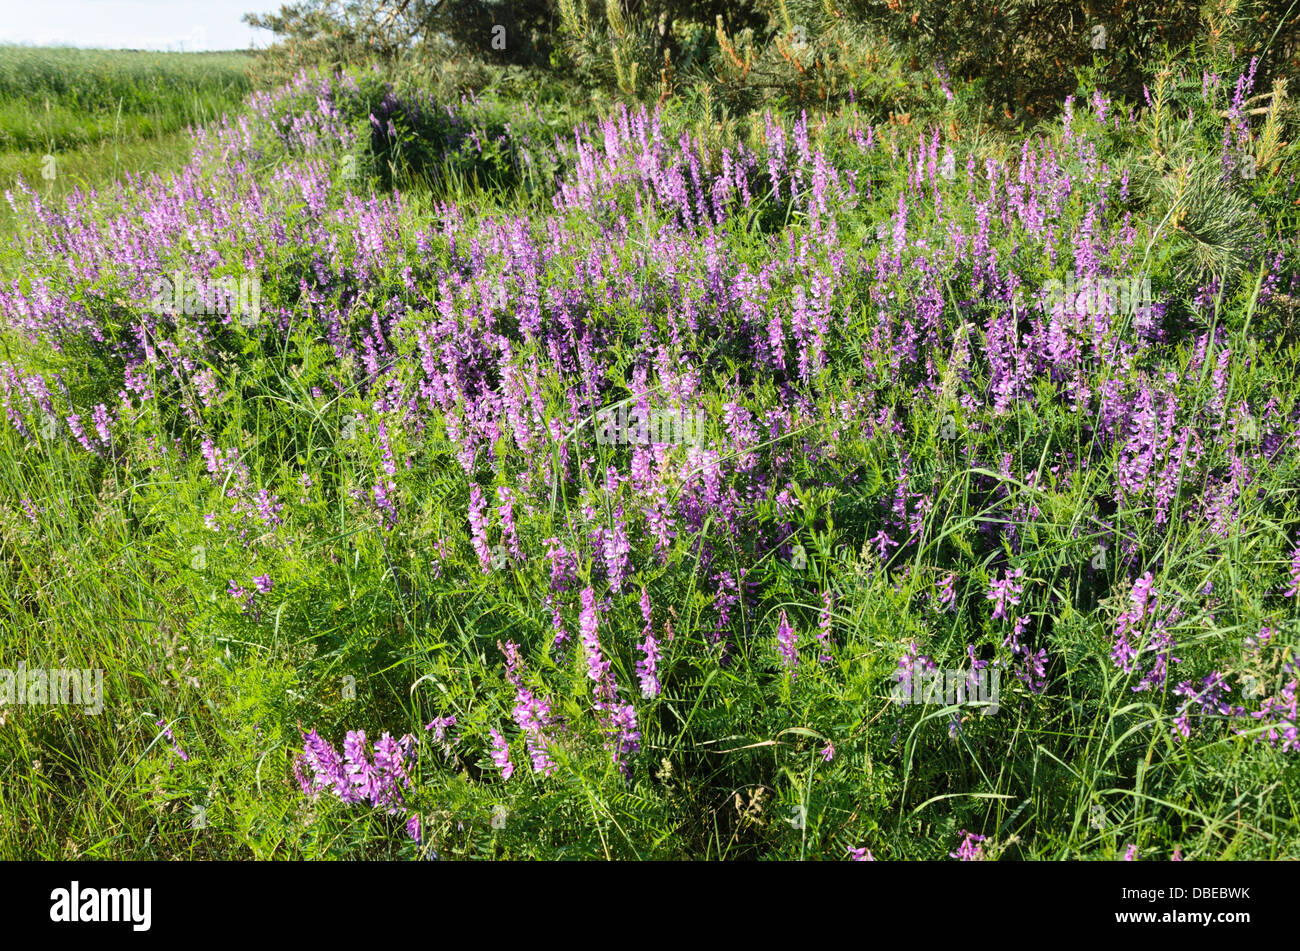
[462,477]
[104,113]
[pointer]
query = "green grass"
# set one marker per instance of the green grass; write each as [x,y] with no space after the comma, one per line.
[105,113]
[61,98]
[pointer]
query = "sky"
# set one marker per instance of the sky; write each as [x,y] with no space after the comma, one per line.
[182,25]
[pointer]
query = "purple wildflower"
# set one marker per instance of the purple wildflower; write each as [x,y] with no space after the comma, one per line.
[478,527]
[439,726]
[355,778]
[501,754]
[971,849]
[1005,592]
[1294,590]
[947,596]
[647,669]
[786,641]
[176,747]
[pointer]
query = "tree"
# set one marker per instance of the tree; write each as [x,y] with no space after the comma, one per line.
[333,33]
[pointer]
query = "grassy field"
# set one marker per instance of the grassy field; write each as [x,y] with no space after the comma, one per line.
[378,557]
[105,114]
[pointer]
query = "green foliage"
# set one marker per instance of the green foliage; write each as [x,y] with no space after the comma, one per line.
[337,33]
[61,98]
[98,553]
[102,115]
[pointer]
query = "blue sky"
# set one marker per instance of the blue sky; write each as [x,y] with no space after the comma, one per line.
[136,24]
